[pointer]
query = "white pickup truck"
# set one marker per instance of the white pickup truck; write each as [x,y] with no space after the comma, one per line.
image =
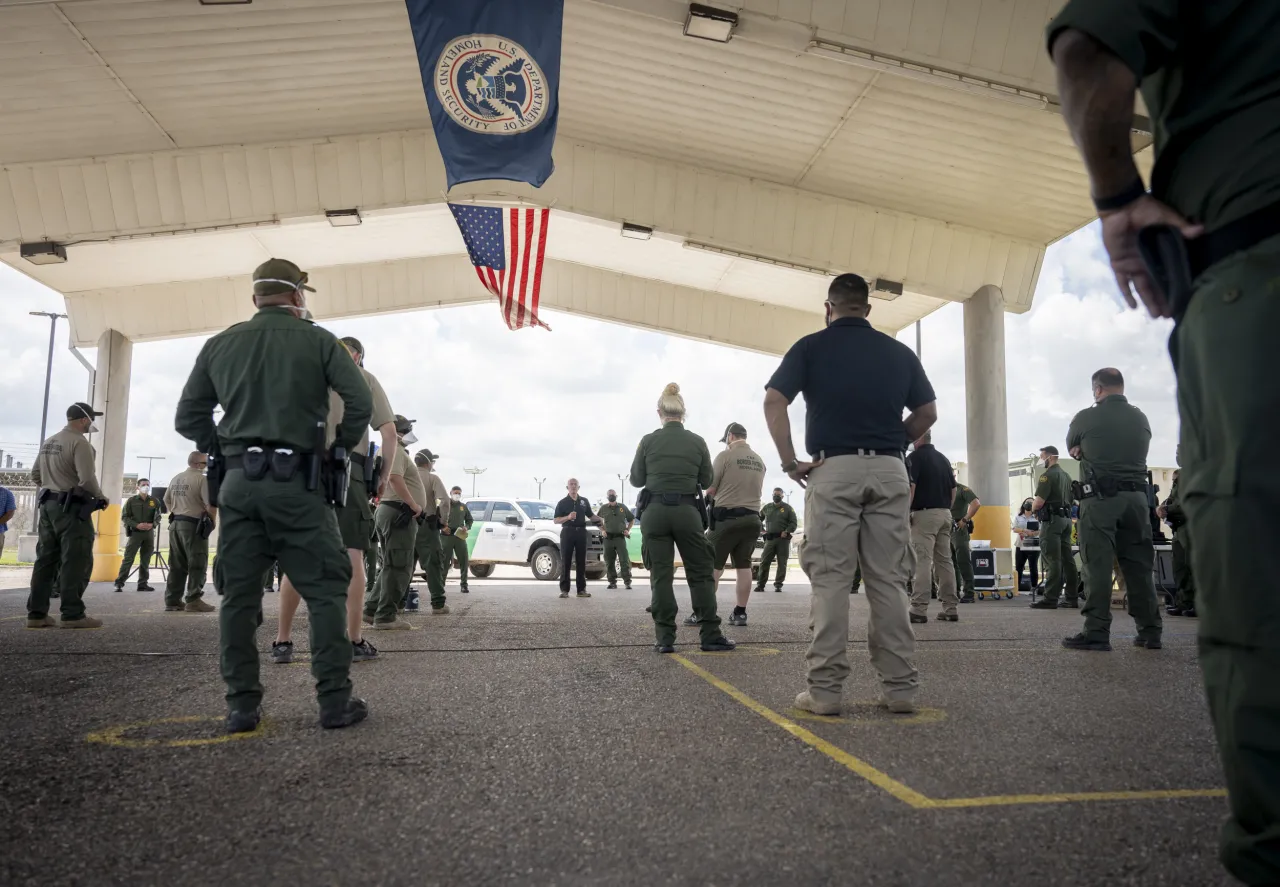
[523,532]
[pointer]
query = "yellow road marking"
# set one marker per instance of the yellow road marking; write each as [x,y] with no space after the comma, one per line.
[115,736]
[738,653]
[910,796]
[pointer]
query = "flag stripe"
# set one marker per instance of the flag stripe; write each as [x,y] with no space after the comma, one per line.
[537,271]
[508,247]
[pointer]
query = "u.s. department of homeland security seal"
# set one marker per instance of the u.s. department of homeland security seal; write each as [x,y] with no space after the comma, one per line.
[491,85]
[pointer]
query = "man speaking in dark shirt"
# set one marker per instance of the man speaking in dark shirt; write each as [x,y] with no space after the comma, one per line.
[933,489]
[572,514]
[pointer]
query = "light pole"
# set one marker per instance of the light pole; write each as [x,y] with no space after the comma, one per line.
[48,370]
[539,483]
[622,478]
[473,472]
[150,460]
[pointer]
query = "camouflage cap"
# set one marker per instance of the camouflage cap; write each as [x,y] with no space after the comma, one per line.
[278,277]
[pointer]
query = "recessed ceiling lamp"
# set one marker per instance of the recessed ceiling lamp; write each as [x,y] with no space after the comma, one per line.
[343,218]
[43,253]
[636,232]
[709,23]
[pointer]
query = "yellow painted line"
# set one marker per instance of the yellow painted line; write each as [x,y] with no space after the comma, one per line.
[739,653]
[840,756]
[115,736]
[910,796]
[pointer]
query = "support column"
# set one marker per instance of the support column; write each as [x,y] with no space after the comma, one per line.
[111,397]
[988,421]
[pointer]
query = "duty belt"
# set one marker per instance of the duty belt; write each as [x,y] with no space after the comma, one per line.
[731,513]
[1121,486]
[856,451]
[1208,249]
[769,537]
[357,458]
[183,517]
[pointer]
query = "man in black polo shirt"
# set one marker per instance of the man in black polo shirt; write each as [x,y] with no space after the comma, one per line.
[856,382]
[933,489]
[572,514]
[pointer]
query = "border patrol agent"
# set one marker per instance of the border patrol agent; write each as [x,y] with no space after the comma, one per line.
[1210,75]
[453,537]
[963,508]
[737,478]
[191,516]
[69,493]
[1052,507]
[427,543]
[139,515]
[1184,602]
[672,465]
[1111,440]
[780,521]
[618,521]
[857,494]
[272,375]
[397,520]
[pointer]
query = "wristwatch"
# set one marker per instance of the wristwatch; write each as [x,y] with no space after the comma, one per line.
[789,467]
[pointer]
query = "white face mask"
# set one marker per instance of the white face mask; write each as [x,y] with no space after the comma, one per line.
[456,498]
[144,490]
[410,438]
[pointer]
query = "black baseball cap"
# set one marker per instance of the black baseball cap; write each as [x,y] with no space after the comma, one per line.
[81,410]
[353,343]
[1051,450]
[403,425]
[734,428]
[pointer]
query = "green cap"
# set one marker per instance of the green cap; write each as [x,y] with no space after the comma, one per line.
[353,344]
[278,277]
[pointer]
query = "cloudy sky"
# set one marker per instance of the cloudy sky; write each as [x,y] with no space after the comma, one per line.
[533,405]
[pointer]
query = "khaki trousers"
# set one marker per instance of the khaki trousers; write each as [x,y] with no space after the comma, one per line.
[931,541]
[855,510]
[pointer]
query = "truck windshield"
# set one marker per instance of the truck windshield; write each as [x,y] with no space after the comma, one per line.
[538,510]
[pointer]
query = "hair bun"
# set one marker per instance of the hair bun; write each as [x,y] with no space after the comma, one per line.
[672,389]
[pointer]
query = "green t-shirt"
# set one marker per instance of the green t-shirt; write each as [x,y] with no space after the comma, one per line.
[1210,77]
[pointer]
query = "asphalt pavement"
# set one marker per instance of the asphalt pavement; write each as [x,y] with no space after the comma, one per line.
[525,739]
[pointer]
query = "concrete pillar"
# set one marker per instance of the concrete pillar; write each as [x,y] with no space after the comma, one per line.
[111,397]
[988,413]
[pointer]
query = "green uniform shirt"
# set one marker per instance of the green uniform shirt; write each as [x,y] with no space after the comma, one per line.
[1173,507]
[779,517]
[960,507]
[272,375]
[1054,486]
[459,516]
[139,510]
[671,460]
[617,517]
[1210,77]
[66,460]
[1113,436]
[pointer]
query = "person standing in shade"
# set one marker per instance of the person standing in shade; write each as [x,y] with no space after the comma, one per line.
[1052,507]
[396,519]
[933,495]
[139,515]
[672,464]
[1184,602]
[272,375]
[963,509]
[1111,440]
[435,510]
[618,521]
[779,520]
[737,478]
[572,514]
[64,470]
[858,495]
[453,537]
[187,499]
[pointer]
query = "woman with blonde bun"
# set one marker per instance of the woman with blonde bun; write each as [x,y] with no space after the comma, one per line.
[672,464]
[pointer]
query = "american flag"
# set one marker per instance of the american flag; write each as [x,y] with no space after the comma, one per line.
[507,247]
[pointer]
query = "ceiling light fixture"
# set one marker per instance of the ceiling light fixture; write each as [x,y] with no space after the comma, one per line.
[225,2]
[43,253]
[709,23]
[636,232]
[891,289]
[343,218]
[778,263]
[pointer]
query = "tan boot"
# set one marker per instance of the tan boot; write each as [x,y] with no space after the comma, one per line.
[196,605]
[42,622]
[899,706]
[83,622]
[805,702]
[442,610]
[394,625]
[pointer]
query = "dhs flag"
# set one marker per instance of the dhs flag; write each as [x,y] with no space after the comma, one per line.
[491,69]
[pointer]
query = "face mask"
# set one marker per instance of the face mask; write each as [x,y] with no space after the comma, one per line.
[613,498]
[777,498]
[456,497]
[144,490]
[410,438]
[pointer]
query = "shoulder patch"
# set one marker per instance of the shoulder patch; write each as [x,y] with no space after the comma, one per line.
[1043,478]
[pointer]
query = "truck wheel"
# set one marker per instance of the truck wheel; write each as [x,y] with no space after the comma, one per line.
[481,571]
[595,574]
[545,563]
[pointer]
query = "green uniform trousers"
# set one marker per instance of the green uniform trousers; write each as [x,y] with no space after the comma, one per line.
[1185,599]
[140,541]
[781,549]
[962,560]
[64,559]
[1118,529]
[616,549]
[395,563]
[1223,354]
[188,563]
[265,521]
[1059,564]
[431,562]
[452,547]
[667,528]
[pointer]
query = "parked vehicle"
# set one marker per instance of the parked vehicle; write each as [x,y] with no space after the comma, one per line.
[523,532]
